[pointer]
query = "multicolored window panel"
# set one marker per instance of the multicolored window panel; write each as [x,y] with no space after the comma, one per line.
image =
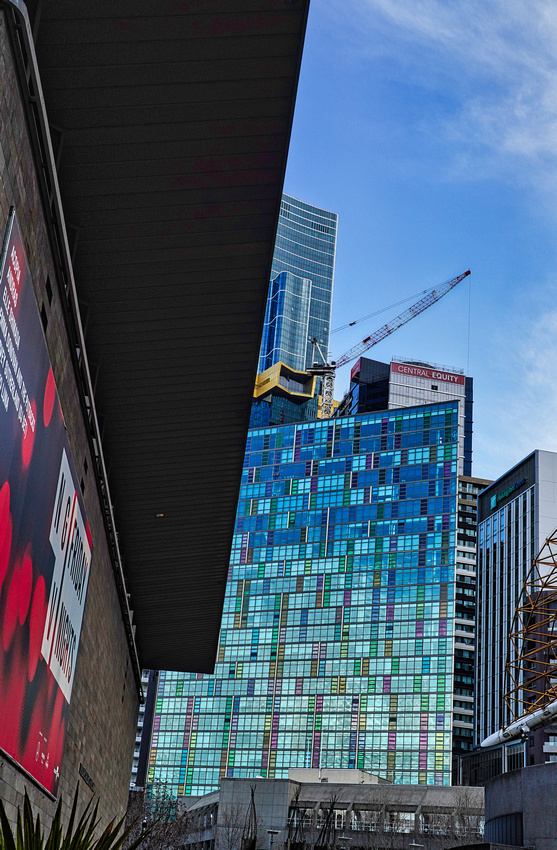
[336,646]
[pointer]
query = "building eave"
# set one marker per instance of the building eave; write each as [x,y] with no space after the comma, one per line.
[172,126]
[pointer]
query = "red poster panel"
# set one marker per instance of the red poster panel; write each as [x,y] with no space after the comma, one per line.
[45,542]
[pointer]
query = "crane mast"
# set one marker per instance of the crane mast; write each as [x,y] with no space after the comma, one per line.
[327,369]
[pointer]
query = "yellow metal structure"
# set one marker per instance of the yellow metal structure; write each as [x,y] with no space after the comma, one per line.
[280,379]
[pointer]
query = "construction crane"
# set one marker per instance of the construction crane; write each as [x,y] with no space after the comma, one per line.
[327,369]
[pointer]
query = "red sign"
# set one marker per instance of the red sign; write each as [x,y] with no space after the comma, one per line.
[45,542]
[355,369]
[429,374]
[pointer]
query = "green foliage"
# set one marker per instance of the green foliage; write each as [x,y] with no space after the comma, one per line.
[80,834]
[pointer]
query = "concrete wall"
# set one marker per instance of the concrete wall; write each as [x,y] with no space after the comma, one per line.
[547,494]
[325,774]
[272,801]
[526,796]
[104,704]
[273,798]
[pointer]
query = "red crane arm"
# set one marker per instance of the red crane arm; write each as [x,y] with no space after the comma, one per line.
[432,297]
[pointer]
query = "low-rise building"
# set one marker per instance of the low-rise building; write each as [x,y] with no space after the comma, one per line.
[521,808]
[335,808]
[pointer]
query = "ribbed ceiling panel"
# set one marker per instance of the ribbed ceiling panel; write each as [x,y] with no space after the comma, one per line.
[174,119]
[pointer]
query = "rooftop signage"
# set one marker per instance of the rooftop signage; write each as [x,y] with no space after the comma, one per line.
[355,368]
[428,374]
[498,497]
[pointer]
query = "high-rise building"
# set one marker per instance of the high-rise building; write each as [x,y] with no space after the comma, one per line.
[149,681]
[465,617]
[401,383]
[298,310]
[337,639]
[301,288]
[515,516]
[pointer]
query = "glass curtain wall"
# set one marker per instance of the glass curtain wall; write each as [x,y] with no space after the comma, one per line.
[337,639]
[304,248]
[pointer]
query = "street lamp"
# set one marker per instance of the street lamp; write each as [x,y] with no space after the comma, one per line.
[271,833]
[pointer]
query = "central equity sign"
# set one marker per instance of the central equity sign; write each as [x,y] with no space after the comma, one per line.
[498,497]
[429,374]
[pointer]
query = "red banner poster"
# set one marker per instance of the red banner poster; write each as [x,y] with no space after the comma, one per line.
[45,542]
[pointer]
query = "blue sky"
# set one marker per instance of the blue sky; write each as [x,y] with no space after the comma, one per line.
[430,127]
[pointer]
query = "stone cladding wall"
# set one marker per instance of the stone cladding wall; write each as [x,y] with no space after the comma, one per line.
[104,704]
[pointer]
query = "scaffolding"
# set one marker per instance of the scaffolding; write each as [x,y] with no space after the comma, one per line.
[531,667]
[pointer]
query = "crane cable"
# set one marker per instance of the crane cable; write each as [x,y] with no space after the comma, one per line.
[469,319]
[377,312]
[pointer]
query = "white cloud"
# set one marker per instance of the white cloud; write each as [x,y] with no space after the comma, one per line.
[497,59]
[520,404]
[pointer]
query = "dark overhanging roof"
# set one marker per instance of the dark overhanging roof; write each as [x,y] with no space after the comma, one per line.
[171,121]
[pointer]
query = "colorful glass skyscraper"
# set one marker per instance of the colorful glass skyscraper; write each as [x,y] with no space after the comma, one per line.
[337,637]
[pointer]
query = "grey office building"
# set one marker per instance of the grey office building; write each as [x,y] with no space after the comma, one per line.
[515,516]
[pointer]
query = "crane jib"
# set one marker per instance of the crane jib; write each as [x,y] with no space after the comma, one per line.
[328,369]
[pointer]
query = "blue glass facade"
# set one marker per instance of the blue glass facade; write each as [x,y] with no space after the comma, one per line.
[286,328]
[337,637]
[302,271]
[276,410]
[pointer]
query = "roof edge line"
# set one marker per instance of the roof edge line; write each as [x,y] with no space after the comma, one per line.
[28,73]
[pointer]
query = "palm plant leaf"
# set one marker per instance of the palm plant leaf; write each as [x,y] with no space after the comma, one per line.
[28,834]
